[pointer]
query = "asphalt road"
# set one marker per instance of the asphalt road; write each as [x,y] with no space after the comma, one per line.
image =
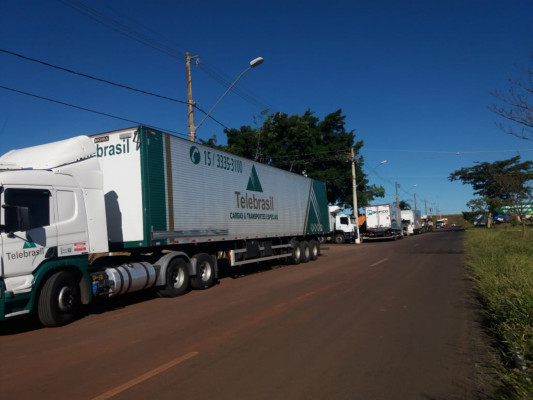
[387,320]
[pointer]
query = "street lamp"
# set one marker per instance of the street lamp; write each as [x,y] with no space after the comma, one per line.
[373,170]
[192,129]
[381,163]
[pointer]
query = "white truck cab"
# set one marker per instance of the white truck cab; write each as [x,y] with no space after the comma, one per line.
[342,226]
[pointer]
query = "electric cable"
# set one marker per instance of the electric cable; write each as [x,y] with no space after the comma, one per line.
[109,82]
[92,111]
[146,40]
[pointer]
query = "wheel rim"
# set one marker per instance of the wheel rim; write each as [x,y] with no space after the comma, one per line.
[297,253]
[178,278]
[65,299]
[205,271]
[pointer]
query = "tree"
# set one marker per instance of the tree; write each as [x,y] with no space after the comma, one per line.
[517,106]
[304,144]
[499,184]
[404,205]
[517,186]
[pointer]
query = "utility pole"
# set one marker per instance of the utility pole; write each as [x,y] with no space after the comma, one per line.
[415,201]
[397,200]
[354,193]
[190,101]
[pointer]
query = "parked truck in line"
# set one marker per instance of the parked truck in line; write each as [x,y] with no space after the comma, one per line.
[167,206]
[341,226]
[411,222]
[383,221]
[441,223]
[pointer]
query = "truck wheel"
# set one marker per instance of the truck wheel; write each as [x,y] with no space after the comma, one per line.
[339,238]
[296,256]
[59,300]
[205,272]
[314,247]
[177,279]
[306,251]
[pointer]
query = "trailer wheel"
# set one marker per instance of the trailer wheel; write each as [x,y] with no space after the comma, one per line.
[176,280]
[205,272]
[59,300]
[314,248]
[296,256]
[306,251]
[339,238]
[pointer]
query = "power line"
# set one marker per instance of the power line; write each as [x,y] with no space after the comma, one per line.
[121,28]
[224,82]
[70,71]
[148,41]
[108,82]
[454,153]
[90,110]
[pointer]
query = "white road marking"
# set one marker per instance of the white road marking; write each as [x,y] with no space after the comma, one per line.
[379,262]
[145,376]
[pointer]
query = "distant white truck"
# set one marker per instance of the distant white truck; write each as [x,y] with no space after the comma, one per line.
[441,223]
[411,221]
[341,226]
[383,221]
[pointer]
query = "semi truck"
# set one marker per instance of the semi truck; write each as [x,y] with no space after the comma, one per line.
[383,221]
[411,222]
[341,226]
[93,217]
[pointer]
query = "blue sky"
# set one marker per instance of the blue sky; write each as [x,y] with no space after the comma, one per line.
[413,78]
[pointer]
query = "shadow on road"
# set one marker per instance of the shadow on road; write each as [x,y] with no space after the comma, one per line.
[27,323]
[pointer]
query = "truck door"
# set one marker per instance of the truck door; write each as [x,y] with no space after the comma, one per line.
[28,233]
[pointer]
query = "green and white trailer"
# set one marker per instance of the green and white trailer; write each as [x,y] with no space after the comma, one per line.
[99,216]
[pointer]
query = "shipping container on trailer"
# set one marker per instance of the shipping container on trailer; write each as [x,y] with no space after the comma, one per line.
[411,222]
[383,221]
[192,193]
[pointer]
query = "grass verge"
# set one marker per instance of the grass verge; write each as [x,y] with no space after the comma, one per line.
[500,261]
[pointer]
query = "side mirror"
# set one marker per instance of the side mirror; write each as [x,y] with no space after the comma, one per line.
[16,219]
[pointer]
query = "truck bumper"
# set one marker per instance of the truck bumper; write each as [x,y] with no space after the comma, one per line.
[382,234]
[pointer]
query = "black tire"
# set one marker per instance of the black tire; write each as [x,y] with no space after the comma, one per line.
[314,248]
[205,272]
[296,255]
[59,300]
[176,280]
[339,238]
[306,251]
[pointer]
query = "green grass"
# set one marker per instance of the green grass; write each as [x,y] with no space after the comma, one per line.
[500,260]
